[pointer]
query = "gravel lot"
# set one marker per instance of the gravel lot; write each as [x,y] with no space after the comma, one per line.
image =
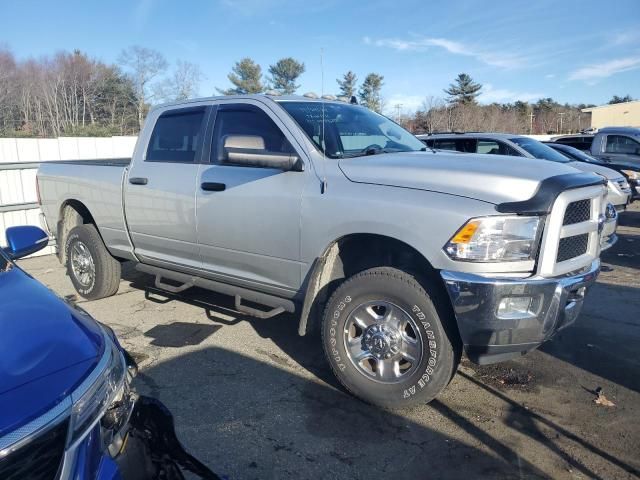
[253,400]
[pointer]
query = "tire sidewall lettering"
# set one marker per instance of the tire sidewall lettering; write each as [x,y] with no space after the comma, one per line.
[430,366]
[333,342]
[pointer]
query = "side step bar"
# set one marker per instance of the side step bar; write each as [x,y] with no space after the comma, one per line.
[278,305]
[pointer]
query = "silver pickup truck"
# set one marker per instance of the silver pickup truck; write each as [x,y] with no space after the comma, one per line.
[398,255]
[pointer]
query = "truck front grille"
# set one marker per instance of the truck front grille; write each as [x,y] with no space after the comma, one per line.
[40,459]
[572,247]
[571,240]
[577,212]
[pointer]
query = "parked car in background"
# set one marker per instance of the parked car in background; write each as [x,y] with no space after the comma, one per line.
[631,174]
[521,146]
[618,147]
[66,407]
[615,144]
[335,212]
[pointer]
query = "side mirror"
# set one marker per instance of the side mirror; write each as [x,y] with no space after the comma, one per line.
[249,150]
[25,240]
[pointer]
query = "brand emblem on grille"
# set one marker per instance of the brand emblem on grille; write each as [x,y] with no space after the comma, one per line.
[610,212]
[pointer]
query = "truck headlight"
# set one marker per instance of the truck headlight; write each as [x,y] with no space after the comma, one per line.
[495,239]
[107,387]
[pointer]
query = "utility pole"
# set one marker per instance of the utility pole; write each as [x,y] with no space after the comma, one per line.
[398,107]
[531,117]
[561,115]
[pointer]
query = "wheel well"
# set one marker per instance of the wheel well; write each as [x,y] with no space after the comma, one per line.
[357,252]
[72,214]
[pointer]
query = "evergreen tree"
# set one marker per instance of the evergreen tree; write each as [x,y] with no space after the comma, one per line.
[370,92]
[617,99]
[348,84]
[284,75]
[246,77]
[463,90]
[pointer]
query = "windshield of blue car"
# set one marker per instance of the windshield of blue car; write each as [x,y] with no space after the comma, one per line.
[539,150]
[350,130]
[579,154]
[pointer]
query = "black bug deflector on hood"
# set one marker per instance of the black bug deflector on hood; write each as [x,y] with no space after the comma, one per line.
[544,197]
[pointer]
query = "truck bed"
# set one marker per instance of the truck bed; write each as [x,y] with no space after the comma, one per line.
[95,186]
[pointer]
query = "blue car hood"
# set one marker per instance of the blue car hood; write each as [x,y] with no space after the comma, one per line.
[46,348]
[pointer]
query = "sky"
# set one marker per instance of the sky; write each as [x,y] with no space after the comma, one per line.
[573,51]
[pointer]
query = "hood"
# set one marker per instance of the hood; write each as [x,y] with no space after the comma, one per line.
[608,173]
[622,165]
[46,348]
[490,178]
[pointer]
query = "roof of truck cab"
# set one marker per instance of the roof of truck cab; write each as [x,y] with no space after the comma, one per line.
[257,96]
[468,135]
[627,130]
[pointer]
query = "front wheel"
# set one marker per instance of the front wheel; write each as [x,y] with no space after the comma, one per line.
[93,271]
[385,341]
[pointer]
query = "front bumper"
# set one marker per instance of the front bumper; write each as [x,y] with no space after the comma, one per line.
[492,334]
[608,237]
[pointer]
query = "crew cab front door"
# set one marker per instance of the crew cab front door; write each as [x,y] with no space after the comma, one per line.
[159,194]
[621,149]
[248,217]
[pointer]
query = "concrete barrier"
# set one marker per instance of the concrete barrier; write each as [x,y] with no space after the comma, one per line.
[19,161]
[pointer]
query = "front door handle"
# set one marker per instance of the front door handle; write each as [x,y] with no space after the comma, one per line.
[213,186]
[138,181]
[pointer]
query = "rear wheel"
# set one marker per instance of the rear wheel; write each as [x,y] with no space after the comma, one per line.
[385,341]
[93,271]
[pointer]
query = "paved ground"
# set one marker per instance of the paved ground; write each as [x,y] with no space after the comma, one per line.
[253,400]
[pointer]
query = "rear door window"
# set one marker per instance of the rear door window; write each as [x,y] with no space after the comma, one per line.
[177,136]
[445,144]
[496,147]
[490,147]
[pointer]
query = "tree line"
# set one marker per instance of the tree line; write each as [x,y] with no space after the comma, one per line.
[247,78]
[459,111]
[71,93]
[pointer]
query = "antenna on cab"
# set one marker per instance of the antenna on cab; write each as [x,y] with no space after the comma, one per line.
[323,186]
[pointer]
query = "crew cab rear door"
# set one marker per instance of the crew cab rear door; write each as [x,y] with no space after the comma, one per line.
[248,217]
[160,189]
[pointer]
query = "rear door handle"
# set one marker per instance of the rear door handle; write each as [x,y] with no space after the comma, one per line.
[138,181]
[213,186]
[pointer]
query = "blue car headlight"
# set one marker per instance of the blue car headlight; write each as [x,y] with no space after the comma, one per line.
[106,385]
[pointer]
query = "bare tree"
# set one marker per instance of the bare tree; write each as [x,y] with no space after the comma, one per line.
[182,84]
[145,65]
[432,116]
[69,93]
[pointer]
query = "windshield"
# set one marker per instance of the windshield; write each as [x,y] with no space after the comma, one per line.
[577,154]
[350,130]
[539,150]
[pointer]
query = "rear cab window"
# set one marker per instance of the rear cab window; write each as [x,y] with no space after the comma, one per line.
[177,136]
